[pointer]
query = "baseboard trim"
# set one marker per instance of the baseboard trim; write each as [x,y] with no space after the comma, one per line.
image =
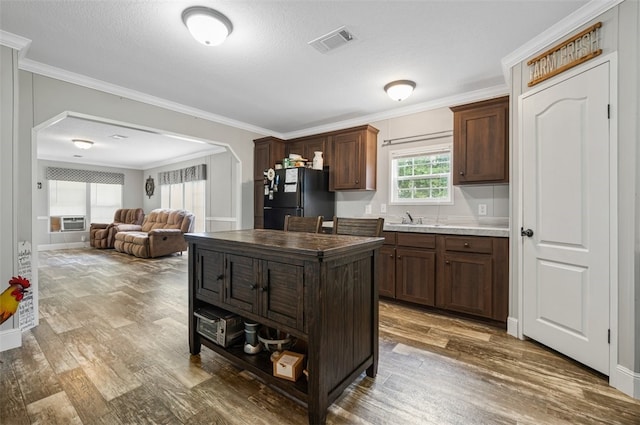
[626,381]
[70,245]
[512,326]
[10,339]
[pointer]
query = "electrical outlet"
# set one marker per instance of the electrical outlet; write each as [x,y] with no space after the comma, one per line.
[383,208]
[367,209]
[482,209]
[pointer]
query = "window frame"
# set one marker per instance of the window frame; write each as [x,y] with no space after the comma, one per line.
[415,152]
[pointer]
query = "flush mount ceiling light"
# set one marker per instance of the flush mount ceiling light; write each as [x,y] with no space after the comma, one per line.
[82,144]
[400,89]
[206,25]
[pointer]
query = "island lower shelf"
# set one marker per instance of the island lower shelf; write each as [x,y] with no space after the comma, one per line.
[260,365]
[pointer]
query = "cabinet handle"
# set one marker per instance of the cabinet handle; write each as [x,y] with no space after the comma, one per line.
[466,245]
[357,181]
[264,289]
[461,173]
[391,255]
[447,262]
[253,286]
[399,257]
[220,277]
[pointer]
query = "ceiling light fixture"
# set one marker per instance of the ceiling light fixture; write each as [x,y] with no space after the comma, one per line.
[206,25]
[400,89]
[82,144]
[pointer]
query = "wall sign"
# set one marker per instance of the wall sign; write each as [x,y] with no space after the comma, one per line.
[574,51]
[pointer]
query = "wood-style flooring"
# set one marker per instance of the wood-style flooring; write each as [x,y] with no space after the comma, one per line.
[112,348]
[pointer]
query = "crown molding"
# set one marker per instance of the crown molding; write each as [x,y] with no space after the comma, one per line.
[586,13]
[92,83]
[14,42]
[444,102]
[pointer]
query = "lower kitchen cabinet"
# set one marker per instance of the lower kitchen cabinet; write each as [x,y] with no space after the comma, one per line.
[466,284]
[416,275]
[463,274]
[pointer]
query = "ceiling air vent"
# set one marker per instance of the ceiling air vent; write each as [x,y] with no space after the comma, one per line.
[332,40]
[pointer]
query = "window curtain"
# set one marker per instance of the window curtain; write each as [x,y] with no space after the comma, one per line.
[183,175]
[86,176]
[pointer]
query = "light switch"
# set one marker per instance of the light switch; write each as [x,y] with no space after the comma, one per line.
[367,209]
[383,208]
[482,209]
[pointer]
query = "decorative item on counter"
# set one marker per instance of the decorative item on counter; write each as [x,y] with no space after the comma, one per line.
[318,161]
[11,297]
[278,166]
[252,345]
[288,365]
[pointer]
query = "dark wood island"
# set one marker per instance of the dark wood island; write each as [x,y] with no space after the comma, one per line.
[321,289]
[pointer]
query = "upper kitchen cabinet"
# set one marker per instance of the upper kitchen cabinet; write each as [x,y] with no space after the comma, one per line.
[354,159]
[481,142]
[267,151]
[306,146]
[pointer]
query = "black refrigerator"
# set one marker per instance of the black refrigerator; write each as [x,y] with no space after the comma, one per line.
[299,191]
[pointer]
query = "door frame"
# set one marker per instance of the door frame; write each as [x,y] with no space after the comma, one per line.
[518,223]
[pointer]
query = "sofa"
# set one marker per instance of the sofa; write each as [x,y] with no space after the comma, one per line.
[161,233]
[102,235]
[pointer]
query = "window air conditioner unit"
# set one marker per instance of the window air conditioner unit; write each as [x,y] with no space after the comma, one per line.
[73,223]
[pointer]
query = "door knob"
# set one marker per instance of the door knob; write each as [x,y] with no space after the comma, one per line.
[528,232]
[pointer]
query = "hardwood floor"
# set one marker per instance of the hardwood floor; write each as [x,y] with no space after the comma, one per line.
[112,348]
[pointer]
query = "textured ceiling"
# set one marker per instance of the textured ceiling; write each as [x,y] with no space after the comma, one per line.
[265,76]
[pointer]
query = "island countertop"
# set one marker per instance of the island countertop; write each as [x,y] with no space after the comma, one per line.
[298,243]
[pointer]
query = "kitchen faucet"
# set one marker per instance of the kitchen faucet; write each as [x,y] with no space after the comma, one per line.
[410,218]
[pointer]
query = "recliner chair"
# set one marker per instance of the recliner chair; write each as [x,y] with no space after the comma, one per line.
[102,235]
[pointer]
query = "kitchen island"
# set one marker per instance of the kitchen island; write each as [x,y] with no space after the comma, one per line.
[320,289]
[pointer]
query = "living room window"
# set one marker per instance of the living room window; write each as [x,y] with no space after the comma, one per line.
[94,195]
[185,189]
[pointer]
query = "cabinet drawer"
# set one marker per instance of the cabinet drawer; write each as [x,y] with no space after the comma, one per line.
[418,240]
[389,238]
[469,244]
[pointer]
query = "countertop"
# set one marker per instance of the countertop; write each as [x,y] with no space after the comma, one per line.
[450,229]
[445,229]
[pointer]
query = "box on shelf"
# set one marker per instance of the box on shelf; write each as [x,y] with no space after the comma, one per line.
[288,365]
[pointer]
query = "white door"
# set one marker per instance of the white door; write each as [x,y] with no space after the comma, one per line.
[565,133]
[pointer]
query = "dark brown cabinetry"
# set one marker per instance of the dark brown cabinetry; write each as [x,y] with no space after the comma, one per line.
[322,289]
[472,276]
[354,159]
[387,276]
[416,268]
[266,152]
[307,146]
[481,142]
[465,274]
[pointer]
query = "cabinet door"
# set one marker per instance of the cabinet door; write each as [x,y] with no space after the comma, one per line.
[481,143]
[241,282]
[295,148]
[317,145]
[266,152]
[415,275]
[387,276]
[282,293]
[209,275]
[466,284]
[347,157]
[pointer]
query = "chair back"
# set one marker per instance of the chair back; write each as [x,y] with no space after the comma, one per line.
[371,227]
[129,216]
[302,224]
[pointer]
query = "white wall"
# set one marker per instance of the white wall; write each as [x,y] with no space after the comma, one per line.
[9,332]
[466,198]
[221,192]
